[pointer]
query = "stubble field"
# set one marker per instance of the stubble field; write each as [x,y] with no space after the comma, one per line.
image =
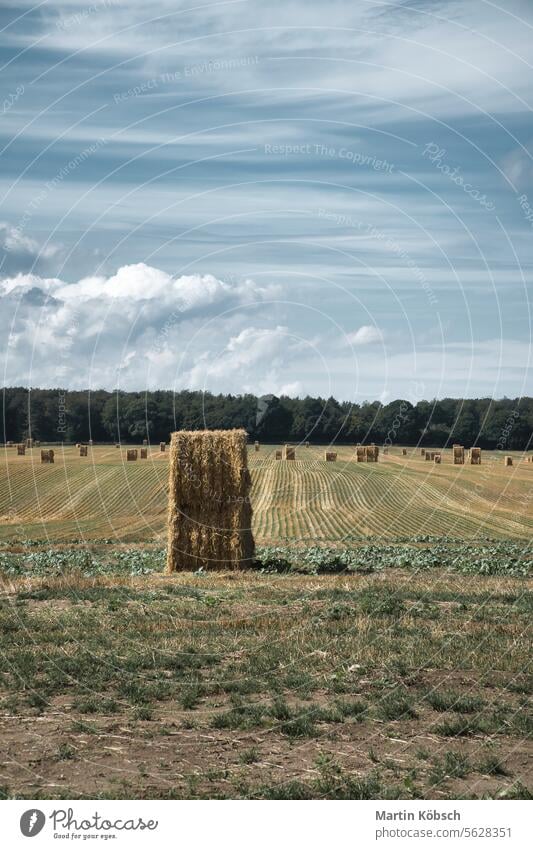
[403,674]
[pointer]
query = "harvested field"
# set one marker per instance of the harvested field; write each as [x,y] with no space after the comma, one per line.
[307,500]
[348,664]
[265,686]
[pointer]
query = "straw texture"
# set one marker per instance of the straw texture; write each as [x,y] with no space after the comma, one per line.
[209,508]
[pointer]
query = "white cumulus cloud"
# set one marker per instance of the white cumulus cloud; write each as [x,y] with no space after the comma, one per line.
[365,335]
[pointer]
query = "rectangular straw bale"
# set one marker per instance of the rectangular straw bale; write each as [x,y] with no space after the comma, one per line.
[209,508]
[131,454]
[423,452]
[256,446]
[458,455]
[330,456]
[21,450]
[427,455]
[144,453]
[360,453]
[437,458]
[475,456]
[289,452]
[83,451]
[404,452]
[47,455]
[508,461]
[279,455]
[162,447]
[372,452]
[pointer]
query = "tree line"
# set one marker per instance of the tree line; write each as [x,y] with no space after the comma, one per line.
[58,415]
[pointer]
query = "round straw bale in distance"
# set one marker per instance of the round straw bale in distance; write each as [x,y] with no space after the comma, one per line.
[404,452]
[83,451]
[209,508]
[47,455]
[144,453]
[289,452]
[330,456]
[21,449]
[279,455]
[162,446]
[131,454]
[508,461]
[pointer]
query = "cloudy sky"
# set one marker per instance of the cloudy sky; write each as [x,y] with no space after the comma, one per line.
[291,197]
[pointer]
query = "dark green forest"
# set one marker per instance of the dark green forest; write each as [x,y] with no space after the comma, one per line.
[56,415]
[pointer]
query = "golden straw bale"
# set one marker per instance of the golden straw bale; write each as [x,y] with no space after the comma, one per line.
[47,455]
[475,456]
[83,451]
[279,455]
[404,452]
[289,452]
[458,455]
[372,452]
[21,449]
[330,456]
[508,461]
[162,447]
[209,508]
[144,453]
[131,454]
[437,458]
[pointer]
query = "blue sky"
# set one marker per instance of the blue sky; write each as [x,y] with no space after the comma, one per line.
[297,197]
